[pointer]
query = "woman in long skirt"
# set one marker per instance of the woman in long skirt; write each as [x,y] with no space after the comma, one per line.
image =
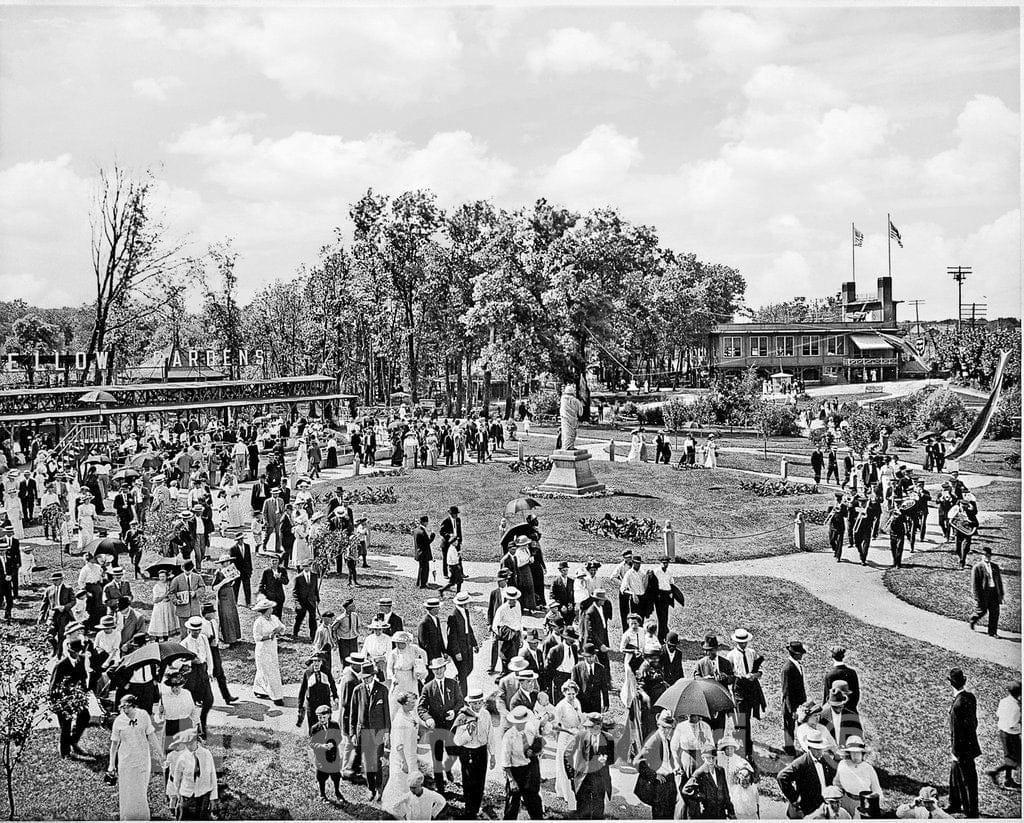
[403,761]
[238,509]
[86,520]
[301,551]
[711,453]
[524,573]
[132,742]
[332,452]
[163,624]
[227,608]
[12,503]
[568,719]
[301,458]
[265,631]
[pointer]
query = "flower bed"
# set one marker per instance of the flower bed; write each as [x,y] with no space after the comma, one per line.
[371,496]
[395,528]
[558,495]
[687,467]
[633,529]
[816,518]
[532,464]
[778,488]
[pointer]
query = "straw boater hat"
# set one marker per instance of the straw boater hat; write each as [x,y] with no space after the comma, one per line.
[107,622]
[194,624]
[511,593]
[461,599]
[518,664]
[438,663]
[263,604]
[741,636]
[815,740]
[477,695]
[377,624]
[854,743]
[519,715]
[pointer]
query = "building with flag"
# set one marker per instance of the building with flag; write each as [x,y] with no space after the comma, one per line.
[845,348]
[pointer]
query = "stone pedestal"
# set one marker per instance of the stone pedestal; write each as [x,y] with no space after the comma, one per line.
[571,474]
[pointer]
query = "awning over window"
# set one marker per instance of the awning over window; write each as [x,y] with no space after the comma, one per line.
[870,342]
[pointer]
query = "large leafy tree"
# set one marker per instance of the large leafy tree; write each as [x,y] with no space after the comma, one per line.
[221,312]
[31,335]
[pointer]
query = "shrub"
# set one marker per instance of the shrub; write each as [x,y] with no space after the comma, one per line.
[370,496]
[778,488]
[545,401]
[675,412]
[651,416]
[532,464]
[628,409]
[940,410]
[633,529]
[1003,424]
[774,419]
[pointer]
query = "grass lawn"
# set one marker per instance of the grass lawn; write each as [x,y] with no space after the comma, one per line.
[727,522]
[933,581]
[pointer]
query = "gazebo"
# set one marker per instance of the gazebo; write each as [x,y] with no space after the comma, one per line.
[781,381]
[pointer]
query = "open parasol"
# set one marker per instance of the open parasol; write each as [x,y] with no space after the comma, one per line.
[171,565]
[704,697]
[96,396]
[520,504]
[106,545]
[158,653]
[921,438]
[127,473]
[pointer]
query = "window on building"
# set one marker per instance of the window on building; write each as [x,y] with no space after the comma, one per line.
[784,346]
[759,347]
[836,344]
[809,345]
[732,346]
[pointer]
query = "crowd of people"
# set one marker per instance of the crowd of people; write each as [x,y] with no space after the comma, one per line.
[376,687]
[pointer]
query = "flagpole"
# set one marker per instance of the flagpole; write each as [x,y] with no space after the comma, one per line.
[853,249]
[888,234]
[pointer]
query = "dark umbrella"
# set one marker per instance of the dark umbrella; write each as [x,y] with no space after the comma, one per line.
[127,473]
[514,532]
[520,504]
[704,697]
[106,545]
[171,565]
[159,653]
[925,436]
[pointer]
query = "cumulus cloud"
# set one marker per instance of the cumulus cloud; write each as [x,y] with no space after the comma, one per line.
[594,168]
[619,48]
[156,88]
[734,40]
[308,164]
[986,152]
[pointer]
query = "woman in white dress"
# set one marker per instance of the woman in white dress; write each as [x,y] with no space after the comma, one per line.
[743,794]
[164,622]
[132,743]
[265,631]
[405,667]
[301,551]
[634,448]
[12,503]
[568,720]
[86,520]
[711,453]
[238,510]
[403,760]
[855,775]
[301,458]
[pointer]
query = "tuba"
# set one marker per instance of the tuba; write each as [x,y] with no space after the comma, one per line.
[963,524]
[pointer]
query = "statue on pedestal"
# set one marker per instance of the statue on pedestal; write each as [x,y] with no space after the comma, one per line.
[570,411]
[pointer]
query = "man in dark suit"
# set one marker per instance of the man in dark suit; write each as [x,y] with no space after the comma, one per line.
[69,675]
[272,585]
[987,583]
[963,736]
[56,610]
[841,671]
[241,557]
[368,725]
[671,659]
[429,634]
[451,531]
[837,718]
[659,770]
[287,529]
[594,626]
[462,643]
[593,681]
[563,593]
[421,540]
[817,464]
[802,780]
[794,692]
[440,701]
[495,599]
[560,660]
[713,666]
[273,513]
[28,494]
[316,689]
[306,591]
[587,760]
[394,621]
[707,791]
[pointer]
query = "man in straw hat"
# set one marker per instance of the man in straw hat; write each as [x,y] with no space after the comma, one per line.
[924,807]
[70,674]
[186,591]
[192,783]
[438,704]
[746,690]
[507,626]
[494,601]
[830,808]
[462,643]
[802,780]
[659,770]
[515,757]
[471,734]
[430,633]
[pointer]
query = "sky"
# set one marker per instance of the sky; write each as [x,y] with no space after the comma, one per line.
[752,136]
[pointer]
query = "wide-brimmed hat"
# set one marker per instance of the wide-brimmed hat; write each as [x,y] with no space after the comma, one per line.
[107,622]
[461,599]
[518,664]
[710,642]
[815,740]
[741,636]
[438,663]
[665,718]
[728,740]
[184,738]
[377,624]
[262,604]
[56,576]
[582,573]
[512,593]
[194,624]
[402,637]
[854,743]
[520,714]
[570,685]
[356,659]
[224,558]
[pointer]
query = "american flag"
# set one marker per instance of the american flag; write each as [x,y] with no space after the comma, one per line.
[858,237]
[894,233]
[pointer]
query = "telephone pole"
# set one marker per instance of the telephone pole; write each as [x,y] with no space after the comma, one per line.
[917,314]
[959,273]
